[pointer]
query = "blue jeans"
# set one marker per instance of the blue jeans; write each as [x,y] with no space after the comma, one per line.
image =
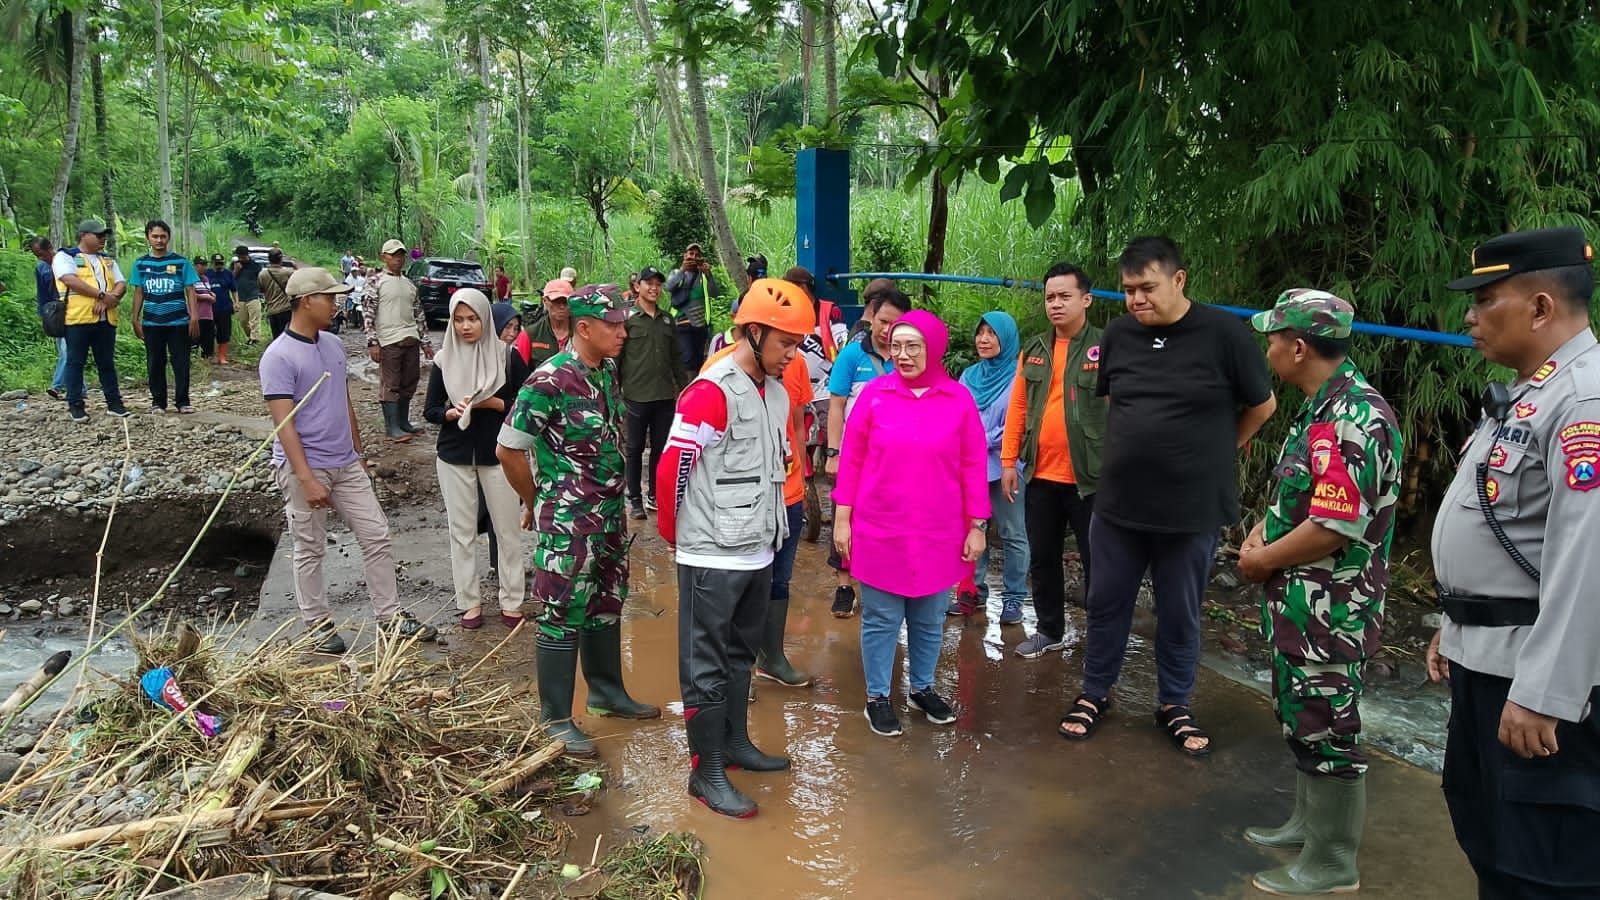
[881,615]
[100,339]
[58,381]
[783,563]
[1010,531]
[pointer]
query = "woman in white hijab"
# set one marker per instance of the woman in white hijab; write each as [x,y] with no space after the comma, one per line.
[468,396]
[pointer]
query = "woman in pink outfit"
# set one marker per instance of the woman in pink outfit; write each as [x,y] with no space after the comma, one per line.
[910,508]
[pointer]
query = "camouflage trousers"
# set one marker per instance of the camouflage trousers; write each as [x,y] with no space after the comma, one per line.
[582,580]
[1317,705]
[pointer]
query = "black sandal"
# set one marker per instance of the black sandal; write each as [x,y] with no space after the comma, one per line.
[1086,711]
[1180,727]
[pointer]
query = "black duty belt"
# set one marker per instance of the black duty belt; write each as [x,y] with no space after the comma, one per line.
[1488,612]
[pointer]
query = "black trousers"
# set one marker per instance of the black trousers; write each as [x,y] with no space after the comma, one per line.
[1179,565]
[278,322]
[694,341]
[1530,827]
[720,617]
[208,335]
[649,420]
[164,344]
[1052,507]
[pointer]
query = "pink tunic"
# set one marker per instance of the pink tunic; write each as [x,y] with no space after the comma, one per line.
[914,471]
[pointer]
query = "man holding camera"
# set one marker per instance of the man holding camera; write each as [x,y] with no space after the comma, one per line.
[691,288]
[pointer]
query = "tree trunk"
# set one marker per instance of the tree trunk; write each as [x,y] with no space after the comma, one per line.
[830,57]
[5,199]
[189,88]
[163,123]
[103,145]
[667,94]
[938,223]
[480,155]
[808,57]
[523,188]
[726,248]
[69,139]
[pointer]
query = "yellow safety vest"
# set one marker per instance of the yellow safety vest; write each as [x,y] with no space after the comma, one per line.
[80,308]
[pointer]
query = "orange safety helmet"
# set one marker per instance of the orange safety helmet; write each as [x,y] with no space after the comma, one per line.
[778,304]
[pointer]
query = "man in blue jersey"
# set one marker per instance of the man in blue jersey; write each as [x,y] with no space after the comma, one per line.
[165,315]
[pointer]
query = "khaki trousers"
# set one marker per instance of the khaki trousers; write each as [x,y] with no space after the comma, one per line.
[459,487]
[248,313]
[353,499]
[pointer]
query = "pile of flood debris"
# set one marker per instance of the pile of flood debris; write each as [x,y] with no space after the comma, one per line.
[270,774]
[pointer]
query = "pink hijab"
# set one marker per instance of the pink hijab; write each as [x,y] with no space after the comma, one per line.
[937,337]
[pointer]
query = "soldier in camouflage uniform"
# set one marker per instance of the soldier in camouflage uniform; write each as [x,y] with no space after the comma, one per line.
[569,414]
[1323,554]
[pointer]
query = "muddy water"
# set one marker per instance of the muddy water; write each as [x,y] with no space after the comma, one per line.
[995,803]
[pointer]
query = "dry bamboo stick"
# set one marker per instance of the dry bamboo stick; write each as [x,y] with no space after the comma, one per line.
[525,768]
[217,818]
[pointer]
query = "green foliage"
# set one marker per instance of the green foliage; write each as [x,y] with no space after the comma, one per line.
[679,217]
[881,246]
[1363,148]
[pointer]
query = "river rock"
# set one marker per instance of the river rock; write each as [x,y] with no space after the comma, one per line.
[1432,620]
[31,604]
[222,592]
[53,471]
[66,606]
[29,466]
[5,609]
[14,395]
[72,496]
[1226,580]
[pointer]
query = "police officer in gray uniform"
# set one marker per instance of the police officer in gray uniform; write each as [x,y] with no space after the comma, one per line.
[1514,548]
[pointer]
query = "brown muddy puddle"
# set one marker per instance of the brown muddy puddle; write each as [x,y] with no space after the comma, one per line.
[991,805]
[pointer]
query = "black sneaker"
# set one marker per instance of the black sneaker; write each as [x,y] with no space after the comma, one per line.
[650,504]
[636,510]
[331,642]
[844,603]
[403,624]
[881,717]
[79,416]
[120,412]
[932,706]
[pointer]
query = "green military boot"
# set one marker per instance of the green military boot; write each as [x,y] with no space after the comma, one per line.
[771,663]
[558,670]
[1291,835]
[1336,809]
[403,414]
[602,669]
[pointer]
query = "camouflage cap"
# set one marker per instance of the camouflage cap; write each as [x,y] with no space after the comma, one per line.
[1307,310]
[598,301]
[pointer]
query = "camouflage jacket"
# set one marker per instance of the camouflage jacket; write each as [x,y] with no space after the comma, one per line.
[570,416]
[1340,467]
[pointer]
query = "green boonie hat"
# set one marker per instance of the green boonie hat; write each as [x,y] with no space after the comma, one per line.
[1310,311]
[92,226]
[598,301]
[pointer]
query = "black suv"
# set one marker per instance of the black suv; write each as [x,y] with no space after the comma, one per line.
[437,278]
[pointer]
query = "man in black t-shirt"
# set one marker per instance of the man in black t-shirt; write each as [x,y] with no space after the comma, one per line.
[1188,387]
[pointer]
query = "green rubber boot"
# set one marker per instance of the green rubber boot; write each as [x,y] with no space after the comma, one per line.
[601,652]
[771,663]
[1291,835]
[1336,809]
[391,423]
[558,670]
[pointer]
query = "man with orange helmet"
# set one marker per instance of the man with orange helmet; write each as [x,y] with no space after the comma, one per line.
[720,488]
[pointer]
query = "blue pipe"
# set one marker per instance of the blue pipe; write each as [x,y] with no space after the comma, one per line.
[1391,331]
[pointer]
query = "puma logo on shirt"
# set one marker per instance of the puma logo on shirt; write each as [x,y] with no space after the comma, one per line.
[1158,343]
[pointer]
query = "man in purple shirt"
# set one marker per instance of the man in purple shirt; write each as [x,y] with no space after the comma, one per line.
[318,463]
